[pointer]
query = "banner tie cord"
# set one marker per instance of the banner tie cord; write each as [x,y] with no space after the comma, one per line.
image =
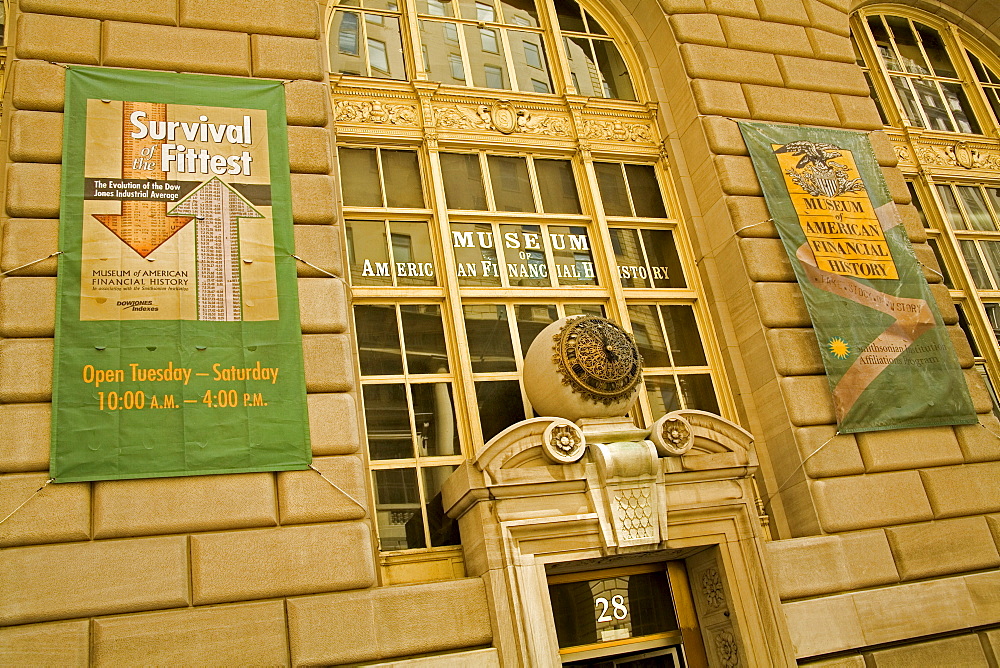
[23,503]
[334,485]
[310,264]
[932,270]
[41,259]
[782,487]
[747,227]
[989,431]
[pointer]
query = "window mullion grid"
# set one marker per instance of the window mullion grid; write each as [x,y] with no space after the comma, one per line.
[410,27]
[900,108]
[555,47]
[464,389]
[603,252]
[879,73]
[463,48]
[508,56]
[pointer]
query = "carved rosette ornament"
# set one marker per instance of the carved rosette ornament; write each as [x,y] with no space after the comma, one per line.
[563,442]
[711,588]
[597,359]
[728,650]
[671,435]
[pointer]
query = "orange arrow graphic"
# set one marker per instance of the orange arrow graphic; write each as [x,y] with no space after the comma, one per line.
[142,225]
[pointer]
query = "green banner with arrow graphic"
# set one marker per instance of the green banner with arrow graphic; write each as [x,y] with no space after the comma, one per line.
[887,354]
[178,347]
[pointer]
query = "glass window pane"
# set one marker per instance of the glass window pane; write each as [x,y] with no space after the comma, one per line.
[975,264]
[530,64]
[991,249]
[662,394]
[378,57]
[443,529]
[489,40]
[476,261]
[387,421]
[906,43]
[511,186]
[698,393]
[994,196]
[571,255]
[664,263]
[532,319]
[632,269]
[614,194]
[413,259]
[975,208]
[359,180]
[915,199]
[958,102]
[569,15]
[524,256]
[909,102]
[367,253]
[593,27]
[933,105]
[345,29]
[441,51]
[385,47]
[935,50]
[884,44]
[963,322]
[953,213]
[424,336]
[557,186]
[500,406]
[583,66]
[648,335]
[463,181]
[519,12]
[397,507]
[993,315]
[489,69]
[646,197]
[585,309]
[385,5]
[378,339]
[682,332]
[616,81]
[434,419]
[932,242]
[401,171]
[435,7]
[875,97]
[488,336]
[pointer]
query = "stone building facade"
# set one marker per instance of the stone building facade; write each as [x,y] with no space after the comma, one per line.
[435,527]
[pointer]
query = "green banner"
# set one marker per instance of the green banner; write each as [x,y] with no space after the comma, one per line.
[178,348]
[887,354]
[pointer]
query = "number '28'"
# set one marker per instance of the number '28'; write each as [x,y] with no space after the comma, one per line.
[617,606]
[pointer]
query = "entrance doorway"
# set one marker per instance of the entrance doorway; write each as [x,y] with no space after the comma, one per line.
[638,616]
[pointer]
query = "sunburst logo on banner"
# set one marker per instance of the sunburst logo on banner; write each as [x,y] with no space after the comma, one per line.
[838,348]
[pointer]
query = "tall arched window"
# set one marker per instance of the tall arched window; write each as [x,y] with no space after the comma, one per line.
[939,94]
[509,176]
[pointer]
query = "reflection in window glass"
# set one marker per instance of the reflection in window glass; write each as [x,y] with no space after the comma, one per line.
[649,336]
[397,507]
[359,177]
[500,406]
[424,336]
[646,197]
[662,394]
[633,271]
[614,192]
[368,253]
[571,255]
[557,186]
[697,392]
[387,421]
[975,264]
[663,260]
[402,179]
[975,208]
[434,419]
[463,181]
[511,186]
[524,256]
[443,529]
[532,319]
[378,340]
[682,332]
[488,336]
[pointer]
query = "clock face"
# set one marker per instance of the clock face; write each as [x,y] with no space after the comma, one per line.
[598,359]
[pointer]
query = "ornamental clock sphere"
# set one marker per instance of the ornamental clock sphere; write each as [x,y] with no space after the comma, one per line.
[582,367]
